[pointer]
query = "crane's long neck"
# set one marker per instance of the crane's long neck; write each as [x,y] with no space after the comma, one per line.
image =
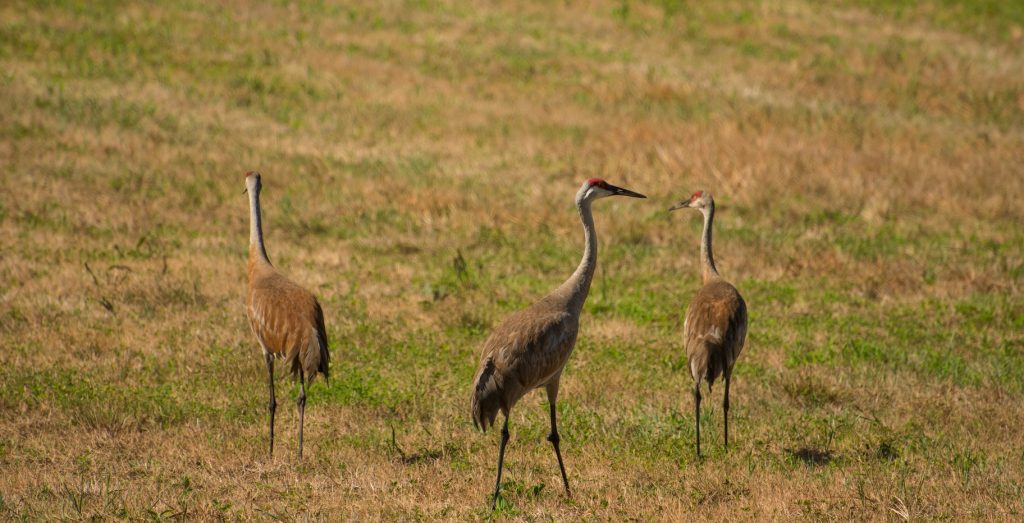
[257,252]
[708,271]
[578,285]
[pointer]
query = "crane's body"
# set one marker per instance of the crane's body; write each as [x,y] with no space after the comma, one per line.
[285,318]
[715,328]
[527,351]
[530,348]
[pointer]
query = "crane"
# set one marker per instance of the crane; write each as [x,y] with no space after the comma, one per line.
[715,327]
[285,318]
[529,349]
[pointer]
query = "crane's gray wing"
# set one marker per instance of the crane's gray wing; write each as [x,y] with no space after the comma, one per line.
[532,346]
[522,353]
[714,330]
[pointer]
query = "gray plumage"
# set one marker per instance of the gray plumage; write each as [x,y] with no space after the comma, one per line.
[715,328]
[527,350]
[530,348]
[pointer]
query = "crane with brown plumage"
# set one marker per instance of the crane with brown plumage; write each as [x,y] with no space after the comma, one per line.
[285,318]
[530,348]
[715,327]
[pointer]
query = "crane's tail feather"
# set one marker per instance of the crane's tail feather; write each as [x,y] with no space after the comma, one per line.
[318,358]
[319,346]
[312,358]
[487,396]
[708,365]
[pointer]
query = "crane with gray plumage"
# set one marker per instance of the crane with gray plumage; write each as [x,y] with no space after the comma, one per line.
[530,348]
[715,327]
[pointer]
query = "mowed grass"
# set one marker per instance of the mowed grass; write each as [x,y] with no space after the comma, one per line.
[419,164]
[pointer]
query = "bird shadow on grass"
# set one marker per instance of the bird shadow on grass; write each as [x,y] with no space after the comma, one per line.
[415,457]
[812,456]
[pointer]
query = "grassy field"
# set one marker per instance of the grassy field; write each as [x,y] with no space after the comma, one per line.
[419,162]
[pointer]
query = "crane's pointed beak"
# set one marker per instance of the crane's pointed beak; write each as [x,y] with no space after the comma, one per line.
[679,205]
[619,191]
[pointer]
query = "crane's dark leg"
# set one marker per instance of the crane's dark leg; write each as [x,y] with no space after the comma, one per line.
[553,435]
[302,407]
[273,402]
[501,461]
[696,404]
[725,409]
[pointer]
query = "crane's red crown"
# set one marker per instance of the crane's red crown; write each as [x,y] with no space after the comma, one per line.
[249,173]
[596,181]
[697,194]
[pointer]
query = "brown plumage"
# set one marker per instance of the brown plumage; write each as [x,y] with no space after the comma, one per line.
[529,349]
[716,322]
[285,318]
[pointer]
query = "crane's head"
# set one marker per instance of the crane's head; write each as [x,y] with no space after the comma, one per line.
[252,182]
[699,200]
[595,188]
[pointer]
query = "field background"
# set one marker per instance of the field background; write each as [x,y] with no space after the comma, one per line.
[419,163]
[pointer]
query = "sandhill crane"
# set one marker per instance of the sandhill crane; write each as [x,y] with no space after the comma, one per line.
[716,322]
[529,349]
[286,319]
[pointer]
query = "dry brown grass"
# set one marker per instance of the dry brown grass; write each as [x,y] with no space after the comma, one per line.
[869,160]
